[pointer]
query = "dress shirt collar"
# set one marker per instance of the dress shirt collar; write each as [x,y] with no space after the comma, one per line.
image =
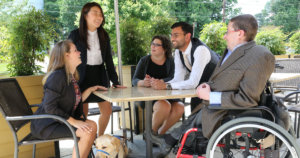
[188,49]
[238,46]
[92,33]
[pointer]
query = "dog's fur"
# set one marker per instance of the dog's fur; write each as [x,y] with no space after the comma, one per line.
[112,145]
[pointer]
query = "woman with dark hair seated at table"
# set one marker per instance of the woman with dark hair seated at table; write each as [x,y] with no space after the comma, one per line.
[159,65]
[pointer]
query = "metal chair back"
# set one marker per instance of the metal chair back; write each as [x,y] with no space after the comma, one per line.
[17,112]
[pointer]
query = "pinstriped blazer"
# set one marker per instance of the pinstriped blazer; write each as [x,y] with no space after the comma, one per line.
[241,79]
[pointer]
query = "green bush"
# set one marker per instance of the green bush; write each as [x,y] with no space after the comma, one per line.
[3,44]
[30,35]
[273,38]
[212,35]
[295,42]
[161,26]
[134,40]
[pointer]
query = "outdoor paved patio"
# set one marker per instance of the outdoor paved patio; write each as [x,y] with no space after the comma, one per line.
[137,149]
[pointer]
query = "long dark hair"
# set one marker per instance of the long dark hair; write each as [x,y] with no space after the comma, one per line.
[166,44]
[83,30]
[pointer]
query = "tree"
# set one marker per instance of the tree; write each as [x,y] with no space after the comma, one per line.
[295,42]
[161,26]
[9,9]
[64,13]
[212,35]
[283,13]
[200,12]
[273,38]
[263,17]
[146,11]
[30,36]
[134,40]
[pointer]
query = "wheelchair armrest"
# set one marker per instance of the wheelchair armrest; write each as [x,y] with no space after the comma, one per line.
[263,108]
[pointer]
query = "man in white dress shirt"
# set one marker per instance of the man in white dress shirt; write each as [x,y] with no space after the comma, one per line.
[194,61]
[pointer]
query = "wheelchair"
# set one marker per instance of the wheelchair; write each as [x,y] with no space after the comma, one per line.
[256,132]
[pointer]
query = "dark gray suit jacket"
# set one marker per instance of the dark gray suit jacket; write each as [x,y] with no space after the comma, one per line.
[241,79]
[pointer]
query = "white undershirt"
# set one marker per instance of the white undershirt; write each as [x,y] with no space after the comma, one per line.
[201,59]
[94,53]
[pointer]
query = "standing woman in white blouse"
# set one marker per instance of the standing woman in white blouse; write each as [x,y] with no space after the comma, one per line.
[97,66]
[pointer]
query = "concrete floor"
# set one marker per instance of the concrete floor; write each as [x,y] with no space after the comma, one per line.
[137,149]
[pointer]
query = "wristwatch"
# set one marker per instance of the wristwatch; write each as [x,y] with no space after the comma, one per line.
[169,87]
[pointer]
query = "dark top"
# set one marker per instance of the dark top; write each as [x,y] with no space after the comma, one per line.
[210,67]
[143,66]
[105,52]
[59,99]
[157,71]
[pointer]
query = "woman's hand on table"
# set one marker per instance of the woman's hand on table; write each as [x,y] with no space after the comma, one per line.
[158,84]
[90,90]
[147,81]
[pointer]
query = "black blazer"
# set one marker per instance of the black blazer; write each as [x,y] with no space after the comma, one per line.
[59,99]
[106,56]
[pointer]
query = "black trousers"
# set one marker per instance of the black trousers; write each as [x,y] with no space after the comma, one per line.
[194,121]
[195,102]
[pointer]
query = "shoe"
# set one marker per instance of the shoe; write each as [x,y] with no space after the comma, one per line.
[163,146]
[154,134]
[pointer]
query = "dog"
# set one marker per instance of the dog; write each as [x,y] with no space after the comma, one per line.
[110,147]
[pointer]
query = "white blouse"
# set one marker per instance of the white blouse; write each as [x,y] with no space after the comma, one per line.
[94,56]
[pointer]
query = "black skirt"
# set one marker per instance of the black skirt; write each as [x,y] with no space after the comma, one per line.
[94,75]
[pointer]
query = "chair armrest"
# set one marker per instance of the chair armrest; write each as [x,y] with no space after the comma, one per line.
[34,105]
[55,117]
[290,94]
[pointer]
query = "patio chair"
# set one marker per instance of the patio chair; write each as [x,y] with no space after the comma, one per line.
[294,107]
[17,113]
[288,66]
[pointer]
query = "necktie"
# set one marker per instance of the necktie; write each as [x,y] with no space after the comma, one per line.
[186,62]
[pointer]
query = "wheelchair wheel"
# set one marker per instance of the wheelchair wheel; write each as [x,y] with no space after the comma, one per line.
[251,137]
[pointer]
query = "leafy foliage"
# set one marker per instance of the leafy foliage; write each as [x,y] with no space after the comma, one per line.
[3,43]
[295,42]
[30,34]
[161,26]
[134,40]
[284,13]
[212,35]
[271,37]
[63,14]
[201,12]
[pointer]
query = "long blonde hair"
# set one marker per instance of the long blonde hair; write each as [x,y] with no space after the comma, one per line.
[57,60]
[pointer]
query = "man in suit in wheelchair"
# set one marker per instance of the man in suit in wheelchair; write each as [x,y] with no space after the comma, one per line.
[237,82]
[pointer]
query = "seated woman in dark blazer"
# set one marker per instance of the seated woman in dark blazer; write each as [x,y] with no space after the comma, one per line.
[62,97]
[159,65]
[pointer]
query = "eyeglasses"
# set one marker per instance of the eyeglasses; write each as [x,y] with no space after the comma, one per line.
[228,31]
[156,44]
